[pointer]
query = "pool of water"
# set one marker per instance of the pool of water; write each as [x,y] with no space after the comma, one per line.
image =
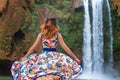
[98,76]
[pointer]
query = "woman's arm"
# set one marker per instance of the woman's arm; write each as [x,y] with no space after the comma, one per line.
[34,46]
[65,47]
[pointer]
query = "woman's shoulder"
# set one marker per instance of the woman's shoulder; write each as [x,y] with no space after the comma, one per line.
[39,34]
[59,34]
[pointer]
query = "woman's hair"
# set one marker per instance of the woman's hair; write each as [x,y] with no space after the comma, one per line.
[49,28]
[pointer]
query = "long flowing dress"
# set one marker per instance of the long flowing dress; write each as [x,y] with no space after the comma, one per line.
[49,61]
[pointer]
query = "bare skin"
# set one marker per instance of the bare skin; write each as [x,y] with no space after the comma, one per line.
[63,45]
[34,46]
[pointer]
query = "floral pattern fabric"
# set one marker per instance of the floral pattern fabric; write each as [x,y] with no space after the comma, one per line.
[45,63]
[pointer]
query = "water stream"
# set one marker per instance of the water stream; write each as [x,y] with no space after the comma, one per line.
[87,61]
[111,36]
[97,35]
[93,41]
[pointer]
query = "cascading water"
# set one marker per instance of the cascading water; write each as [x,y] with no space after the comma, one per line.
[97,35]
[93,42]
[93,50]
[111,37]
[87,61]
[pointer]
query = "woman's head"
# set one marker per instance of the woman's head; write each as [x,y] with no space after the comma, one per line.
[51,22]
[49,28]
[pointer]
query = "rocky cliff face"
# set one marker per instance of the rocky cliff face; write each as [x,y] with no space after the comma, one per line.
[13,14]
[16,19]
[117,5]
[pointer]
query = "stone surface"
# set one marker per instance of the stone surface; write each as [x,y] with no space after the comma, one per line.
[13,16]
[117,5]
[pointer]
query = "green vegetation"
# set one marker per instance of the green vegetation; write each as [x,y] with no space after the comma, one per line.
[116,32]
[71,26]
[5,78]
[71,30]
[70,21]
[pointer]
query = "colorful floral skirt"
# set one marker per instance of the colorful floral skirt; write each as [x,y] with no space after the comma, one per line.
[45,63]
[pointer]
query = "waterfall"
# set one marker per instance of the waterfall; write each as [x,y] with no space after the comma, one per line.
[87,59]
[93,38]
[111,36]
[93,42]
[97,35]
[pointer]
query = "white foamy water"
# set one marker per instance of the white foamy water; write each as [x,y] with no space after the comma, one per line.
[97,34]
[87,59]
[111,36]
[93,43]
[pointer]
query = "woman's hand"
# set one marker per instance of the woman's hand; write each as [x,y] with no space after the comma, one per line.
[22,58]
[77,60]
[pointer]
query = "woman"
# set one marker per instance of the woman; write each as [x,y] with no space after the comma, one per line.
[49,63]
